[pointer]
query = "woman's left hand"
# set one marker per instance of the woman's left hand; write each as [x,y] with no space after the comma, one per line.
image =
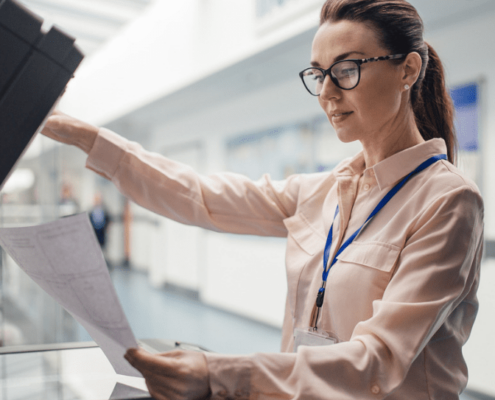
[172,375]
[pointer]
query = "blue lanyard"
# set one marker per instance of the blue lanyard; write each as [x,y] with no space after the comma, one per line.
[381,204]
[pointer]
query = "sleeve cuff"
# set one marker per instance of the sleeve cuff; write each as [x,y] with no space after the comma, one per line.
[106,153]
[230,376]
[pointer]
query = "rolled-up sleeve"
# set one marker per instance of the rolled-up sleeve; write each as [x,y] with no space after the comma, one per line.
[223,202]
[426,301]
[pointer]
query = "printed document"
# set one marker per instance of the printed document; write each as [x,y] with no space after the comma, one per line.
[65,259]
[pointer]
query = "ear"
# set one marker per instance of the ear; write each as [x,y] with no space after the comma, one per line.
[411,69]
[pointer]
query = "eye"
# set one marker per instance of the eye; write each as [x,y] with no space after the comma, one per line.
[345,70]
[349,71]
[314,75]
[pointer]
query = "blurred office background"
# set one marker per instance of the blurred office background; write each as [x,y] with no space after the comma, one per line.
[214,84]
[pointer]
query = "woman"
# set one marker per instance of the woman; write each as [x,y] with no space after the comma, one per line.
[399,295]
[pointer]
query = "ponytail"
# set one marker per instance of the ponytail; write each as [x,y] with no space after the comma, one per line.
[400,29]
[432,104]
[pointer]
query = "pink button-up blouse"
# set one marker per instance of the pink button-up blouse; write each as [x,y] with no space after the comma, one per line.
[401,297]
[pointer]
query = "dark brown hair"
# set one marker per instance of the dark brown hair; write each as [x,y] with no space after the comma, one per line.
[400,30]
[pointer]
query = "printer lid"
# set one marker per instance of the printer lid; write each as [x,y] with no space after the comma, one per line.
[35,68]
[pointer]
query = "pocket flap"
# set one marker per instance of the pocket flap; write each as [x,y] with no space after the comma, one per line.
[304,234]
[378,255]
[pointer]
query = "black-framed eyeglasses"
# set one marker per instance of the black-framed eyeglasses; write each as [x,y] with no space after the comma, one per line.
[346,74]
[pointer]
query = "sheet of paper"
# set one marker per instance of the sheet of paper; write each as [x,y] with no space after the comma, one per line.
[121,391]
[65,259]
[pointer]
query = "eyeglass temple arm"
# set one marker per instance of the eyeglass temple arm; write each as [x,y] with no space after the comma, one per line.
[383,58]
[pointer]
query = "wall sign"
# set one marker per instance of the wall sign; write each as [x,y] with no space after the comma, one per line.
[466,102]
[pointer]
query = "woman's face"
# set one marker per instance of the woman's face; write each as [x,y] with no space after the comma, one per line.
[371,110]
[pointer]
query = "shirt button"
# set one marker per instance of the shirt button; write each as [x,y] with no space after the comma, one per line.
[375,389]
[238,393]
[366,187]
[222,393]
[372,172]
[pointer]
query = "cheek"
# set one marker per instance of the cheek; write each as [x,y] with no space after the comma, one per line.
[378,102]
[323,104]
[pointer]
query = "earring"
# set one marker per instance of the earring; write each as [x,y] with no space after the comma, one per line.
[407,87]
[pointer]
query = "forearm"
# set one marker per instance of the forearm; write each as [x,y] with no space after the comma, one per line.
[350,370]
[222,202]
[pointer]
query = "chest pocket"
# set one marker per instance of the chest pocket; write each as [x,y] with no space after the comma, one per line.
[377,255]
[304,234]
[360,277]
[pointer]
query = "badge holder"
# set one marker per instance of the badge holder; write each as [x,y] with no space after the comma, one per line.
[313,337]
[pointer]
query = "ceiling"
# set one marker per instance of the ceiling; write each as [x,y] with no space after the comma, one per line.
[91,22]
[264,68]
[438,14]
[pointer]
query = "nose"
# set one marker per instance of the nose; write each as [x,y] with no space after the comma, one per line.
[329,90]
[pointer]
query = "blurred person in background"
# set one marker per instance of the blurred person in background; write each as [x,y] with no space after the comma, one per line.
[383,252]
[68,205]
[100,220]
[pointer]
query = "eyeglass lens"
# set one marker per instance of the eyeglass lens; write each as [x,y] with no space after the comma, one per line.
[344,74]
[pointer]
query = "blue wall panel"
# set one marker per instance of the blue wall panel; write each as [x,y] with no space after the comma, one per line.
[466,102]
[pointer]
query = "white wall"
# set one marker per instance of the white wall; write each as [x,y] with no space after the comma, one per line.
[246,276]
[466,50]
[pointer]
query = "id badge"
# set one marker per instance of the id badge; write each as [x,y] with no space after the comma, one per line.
[312,337]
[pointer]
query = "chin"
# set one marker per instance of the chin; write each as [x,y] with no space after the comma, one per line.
[346,135]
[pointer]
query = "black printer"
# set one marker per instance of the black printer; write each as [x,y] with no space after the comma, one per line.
[35,67]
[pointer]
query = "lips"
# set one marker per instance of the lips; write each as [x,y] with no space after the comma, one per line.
[341,114]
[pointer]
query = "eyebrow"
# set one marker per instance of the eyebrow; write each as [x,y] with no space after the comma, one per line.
[338,58]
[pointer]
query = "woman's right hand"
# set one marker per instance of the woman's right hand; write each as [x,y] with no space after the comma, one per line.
[63,128]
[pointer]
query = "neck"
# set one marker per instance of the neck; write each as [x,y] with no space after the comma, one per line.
[398,137]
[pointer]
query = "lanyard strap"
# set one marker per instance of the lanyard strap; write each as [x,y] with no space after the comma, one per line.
[381,204]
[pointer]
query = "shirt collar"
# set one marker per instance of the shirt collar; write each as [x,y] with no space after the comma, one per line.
[352,166]
[394,168]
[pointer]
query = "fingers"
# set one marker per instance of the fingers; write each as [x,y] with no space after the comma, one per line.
[54,127]
[140,355]
[173,375]
[172,354]
[148,363]
[70,130]
[57,112]
[155,370]
[155,395]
